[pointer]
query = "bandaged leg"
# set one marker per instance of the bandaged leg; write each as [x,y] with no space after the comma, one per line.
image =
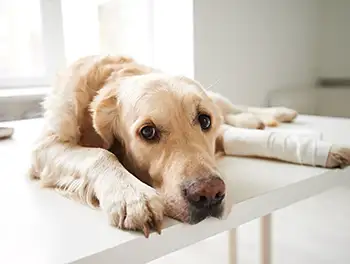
[300,149]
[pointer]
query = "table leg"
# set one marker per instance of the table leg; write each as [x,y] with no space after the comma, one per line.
[265,239]
[232,246]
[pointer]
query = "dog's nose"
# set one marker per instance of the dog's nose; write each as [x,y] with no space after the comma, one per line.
[205,192]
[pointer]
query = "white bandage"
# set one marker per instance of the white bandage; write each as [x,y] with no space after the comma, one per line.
[286,146]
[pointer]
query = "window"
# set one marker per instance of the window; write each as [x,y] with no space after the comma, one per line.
[38,37]
[21,53]
[31,42]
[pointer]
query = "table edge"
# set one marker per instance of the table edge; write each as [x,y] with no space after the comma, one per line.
[241,213]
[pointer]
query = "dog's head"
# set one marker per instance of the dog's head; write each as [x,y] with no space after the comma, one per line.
[164,130]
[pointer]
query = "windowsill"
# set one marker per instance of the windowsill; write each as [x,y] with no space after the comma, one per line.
[23,92]
[21,103]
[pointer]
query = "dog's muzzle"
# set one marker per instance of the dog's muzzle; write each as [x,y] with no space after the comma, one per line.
[204,197]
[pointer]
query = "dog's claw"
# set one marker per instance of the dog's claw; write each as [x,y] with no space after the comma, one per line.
[146,230]
[158,227]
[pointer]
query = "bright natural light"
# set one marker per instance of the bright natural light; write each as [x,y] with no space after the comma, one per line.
[21,47]
[175,131]
[39,37]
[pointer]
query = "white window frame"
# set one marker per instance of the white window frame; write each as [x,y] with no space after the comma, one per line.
[53,43]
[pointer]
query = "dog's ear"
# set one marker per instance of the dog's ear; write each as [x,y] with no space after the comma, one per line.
[104,109]
[131,69]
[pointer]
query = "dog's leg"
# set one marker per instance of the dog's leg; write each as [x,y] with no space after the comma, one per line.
[224,104]
[283,146]
[280,114]
[270,115]
[251,117]
[233,115]
[95,176]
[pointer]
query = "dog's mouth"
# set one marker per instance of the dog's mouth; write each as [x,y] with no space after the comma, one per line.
[197,215]
[187,213]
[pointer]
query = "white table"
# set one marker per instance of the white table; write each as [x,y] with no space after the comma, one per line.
[39,226]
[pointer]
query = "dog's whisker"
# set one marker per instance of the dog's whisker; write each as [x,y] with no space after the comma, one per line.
[213,84]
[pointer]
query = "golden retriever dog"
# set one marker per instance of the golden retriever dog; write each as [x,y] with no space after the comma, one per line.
[141,144]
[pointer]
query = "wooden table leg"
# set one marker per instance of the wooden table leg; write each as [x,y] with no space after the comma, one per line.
[232,246]
[265,239]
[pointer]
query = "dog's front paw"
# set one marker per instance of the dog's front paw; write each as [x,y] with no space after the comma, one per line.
[135,209]
[338,157]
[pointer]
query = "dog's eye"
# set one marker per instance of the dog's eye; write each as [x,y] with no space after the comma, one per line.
[204,121]
[148,132]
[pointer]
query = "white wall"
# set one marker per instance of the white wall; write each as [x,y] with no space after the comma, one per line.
[126,27]
[334,38]
[255,46]
[81,35]
[173,36]
[154,32]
